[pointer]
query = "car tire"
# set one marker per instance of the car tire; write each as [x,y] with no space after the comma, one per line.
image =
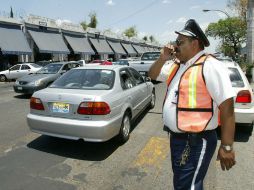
[124,133]
[3,78]
[152,103]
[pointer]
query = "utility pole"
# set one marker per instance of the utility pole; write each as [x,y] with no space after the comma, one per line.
[250,31]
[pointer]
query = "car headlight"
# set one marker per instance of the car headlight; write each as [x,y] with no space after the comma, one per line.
[36,83]
[16,82]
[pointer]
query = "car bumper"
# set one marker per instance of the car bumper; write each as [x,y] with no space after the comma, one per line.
[244,116]
[94,131]
[26,89]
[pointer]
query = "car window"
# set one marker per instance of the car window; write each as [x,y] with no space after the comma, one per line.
[150,56]
[126,79]
[25,67]
[50,69]
[14,68]
[235,77]
[138,78]
[87,79]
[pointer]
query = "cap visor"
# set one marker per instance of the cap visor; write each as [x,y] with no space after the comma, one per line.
[185,33]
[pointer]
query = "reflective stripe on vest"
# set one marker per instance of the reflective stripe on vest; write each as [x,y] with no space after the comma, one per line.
[194,103]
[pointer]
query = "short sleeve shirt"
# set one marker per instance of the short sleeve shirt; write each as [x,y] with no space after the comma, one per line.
[217,83]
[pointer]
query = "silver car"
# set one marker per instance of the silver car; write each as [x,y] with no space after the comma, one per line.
[94,103]
[42,78]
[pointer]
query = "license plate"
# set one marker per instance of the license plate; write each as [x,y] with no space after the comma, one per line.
[19,88]
[142,73]
[61,107]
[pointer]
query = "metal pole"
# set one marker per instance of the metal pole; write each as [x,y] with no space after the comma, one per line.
[207,10]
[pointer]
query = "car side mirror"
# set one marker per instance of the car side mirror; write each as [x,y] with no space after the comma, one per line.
[63,71]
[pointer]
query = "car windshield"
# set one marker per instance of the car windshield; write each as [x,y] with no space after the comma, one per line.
[150,56]
[50,69]
[35,65]
[235,78]
[87,79]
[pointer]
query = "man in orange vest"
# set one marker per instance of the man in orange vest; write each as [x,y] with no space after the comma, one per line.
[198,87]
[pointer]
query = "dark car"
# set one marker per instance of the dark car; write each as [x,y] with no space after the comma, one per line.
[43,78]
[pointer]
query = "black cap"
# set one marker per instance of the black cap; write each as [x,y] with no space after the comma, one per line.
[192,29]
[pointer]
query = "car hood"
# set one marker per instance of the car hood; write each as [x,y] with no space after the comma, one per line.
[35,77]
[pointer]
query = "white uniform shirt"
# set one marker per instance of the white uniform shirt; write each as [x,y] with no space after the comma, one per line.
[217,83]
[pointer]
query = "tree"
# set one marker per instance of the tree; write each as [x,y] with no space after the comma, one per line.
[232,32]
[93,20]
[145,38]
[240,6]
[131,32]
[11,13]
[84,25]
[152,39]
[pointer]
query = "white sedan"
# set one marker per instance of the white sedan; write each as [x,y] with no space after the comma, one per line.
[244,103]
[94,103]
[18,71]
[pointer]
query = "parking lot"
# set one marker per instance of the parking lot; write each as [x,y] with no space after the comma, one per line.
[30,161]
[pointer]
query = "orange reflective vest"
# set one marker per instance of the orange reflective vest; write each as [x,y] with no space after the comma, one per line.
[194,108]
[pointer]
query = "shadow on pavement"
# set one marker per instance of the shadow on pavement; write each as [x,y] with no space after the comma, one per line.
[80,149]
[241,134]
[23,96]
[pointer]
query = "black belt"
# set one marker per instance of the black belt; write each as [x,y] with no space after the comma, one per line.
[186,135]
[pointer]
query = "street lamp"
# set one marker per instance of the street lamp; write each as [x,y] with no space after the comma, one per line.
[207,10]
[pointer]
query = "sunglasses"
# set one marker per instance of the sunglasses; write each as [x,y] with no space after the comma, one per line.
[180,42]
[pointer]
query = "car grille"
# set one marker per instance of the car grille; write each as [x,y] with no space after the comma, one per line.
[22,82]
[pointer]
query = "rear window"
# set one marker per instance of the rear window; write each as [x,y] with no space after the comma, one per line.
[88,79]
[150,56]
[235,78]
[35,65]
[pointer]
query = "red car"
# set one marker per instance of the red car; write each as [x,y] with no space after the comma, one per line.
[101,62]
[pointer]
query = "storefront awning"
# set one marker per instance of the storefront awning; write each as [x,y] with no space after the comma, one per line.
[130,50]
[13,41]
[49,42]
[117,47]
[101,46]
[138,48]
[79,44]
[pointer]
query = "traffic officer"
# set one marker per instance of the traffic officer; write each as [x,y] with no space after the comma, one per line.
[198,92]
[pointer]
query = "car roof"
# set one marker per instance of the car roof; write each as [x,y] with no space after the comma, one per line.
[109,67]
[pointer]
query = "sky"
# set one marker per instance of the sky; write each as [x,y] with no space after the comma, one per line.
[160,18]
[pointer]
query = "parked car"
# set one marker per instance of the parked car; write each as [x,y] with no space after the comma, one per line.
[18,70]
[42,78]
[147,59]
[94,103]
[100,62]
[244,103]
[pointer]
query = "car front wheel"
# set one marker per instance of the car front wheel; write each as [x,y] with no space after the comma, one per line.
[3,78]
[124,133]
[152,103]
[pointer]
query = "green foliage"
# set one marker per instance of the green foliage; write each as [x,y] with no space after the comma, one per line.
[145,38]
[84,25]
[93,20]
[152,39]
[231,31]
[131,32]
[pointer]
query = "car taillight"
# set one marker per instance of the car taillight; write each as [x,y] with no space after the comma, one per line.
[35,103]
[93,108]
[243,96]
